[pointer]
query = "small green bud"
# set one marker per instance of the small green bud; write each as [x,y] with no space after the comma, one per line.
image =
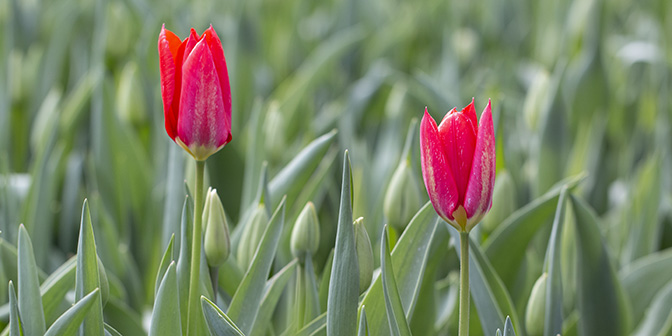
[364,254]
[402,199]
[306,233]
[251,236]
[275,126]
[131,104]
[503,201]
[536,307]
[216,242]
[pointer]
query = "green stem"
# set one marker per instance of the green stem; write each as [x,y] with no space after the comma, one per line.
[193,310]
[464,284]
[214,278]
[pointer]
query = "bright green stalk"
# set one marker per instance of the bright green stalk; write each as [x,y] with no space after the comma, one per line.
[464,284]
[193,304]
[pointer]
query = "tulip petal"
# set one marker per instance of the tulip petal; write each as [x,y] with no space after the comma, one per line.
[482,180]
[220,64]
[201,125]
[169,44]
[458,136]
[436,172]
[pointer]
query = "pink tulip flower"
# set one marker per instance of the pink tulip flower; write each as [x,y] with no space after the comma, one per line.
[195,91]
[458,165]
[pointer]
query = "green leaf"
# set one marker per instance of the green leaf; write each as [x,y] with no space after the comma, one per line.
[166,314]
[490,296]
[218,323]
[643,279]
[344,280]
[658,320]
[603,312]
[324,282]
[30,299]
[409,260]
[363,329]
[15,327]
[395,311]
[86,275]
[553,310]
[184,261]
[274,289]
[508,328]
[166,260]
[245,302]
[521,227]
[55,287]
[110,331]
[291,179]
[69,322]
[124,318]
[317,326]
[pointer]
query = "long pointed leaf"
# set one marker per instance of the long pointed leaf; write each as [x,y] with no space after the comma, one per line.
[166,314]
[344,282]
[218,323]
[409,259]
[86,275]
[15,327]
[363,329]
[69,322]
[603,312]
[30,299]
[245,303]
[395,311]
[274,288]
[553,309]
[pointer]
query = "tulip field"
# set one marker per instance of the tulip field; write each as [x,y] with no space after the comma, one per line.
[337,167]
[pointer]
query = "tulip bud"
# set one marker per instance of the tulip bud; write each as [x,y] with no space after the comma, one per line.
[458,165]
[216,241]
[536,307]
[129,96]
[306,233]
[503,201]
[402,198]
[364,254]
[251,236]
[274,131]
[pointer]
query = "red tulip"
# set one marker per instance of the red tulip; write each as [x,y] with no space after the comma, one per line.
[195,91]
[458,165]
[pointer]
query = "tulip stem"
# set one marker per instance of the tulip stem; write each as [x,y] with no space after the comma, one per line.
[193,316]
[464,284]
[214,276]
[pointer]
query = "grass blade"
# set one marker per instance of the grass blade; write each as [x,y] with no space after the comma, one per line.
[395,311]
[86,275]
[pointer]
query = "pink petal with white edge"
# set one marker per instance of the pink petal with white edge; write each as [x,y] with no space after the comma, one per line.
[435,170]
[201,125]
[482,180]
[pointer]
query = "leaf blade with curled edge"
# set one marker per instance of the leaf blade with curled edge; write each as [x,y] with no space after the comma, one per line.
[274,288]
[15,327]
[86,275]
[553,310]
[166,260]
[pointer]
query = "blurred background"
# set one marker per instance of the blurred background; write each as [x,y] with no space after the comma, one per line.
[577,87]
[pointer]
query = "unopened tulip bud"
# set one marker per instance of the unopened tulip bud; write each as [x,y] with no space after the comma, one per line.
[536,307]
[458,165]
[251,236]
[216,242]
[306,233]
[364,254]
[503,202]
[402,198]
